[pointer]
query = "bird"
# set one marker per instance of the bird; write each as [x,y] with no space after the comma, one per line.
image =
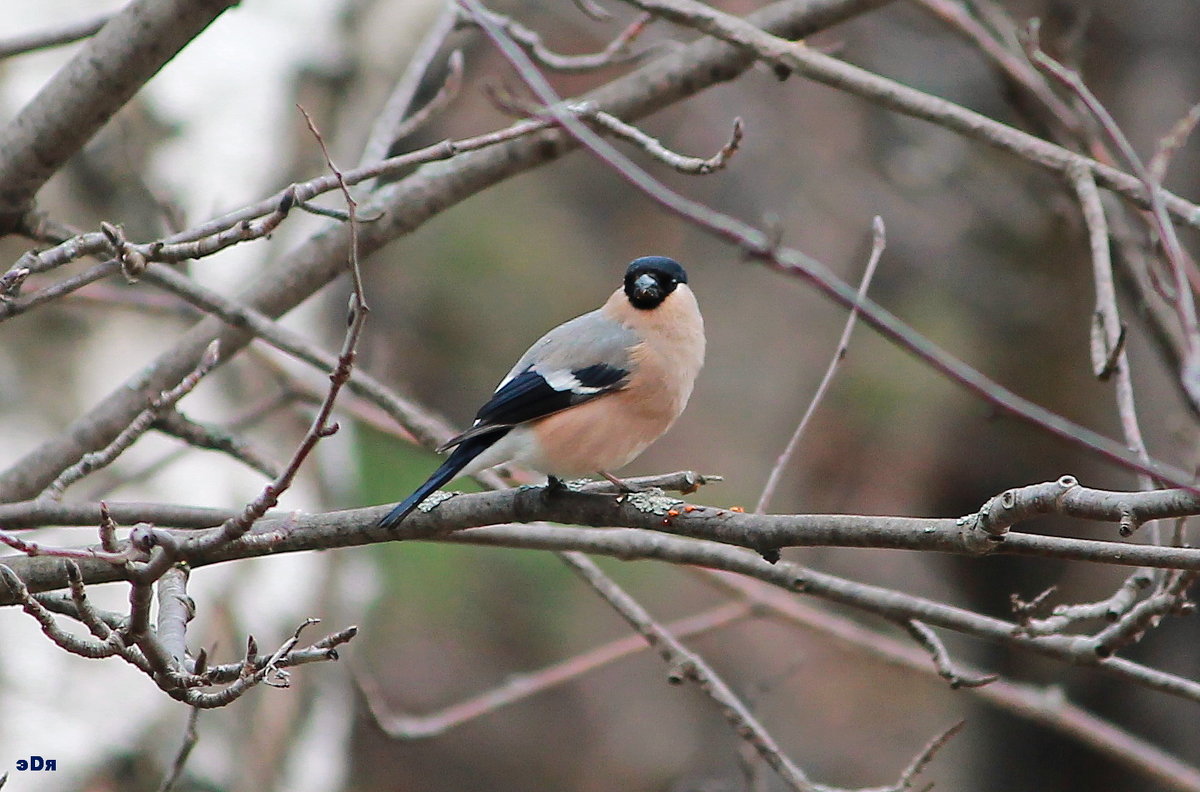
[593,393]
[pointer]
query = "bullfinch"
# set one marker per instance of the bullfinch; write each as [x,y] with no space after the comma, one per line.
[593,393]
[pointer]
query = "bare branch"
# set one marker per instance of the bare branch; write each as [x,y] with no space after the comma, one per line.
[10,282]
[886,603]
[107,529]
[518,687]
[1132,625]
[1064,616]
[33,549]
[928,640]
[61,638]
[1009,60]
[590,507]
[190,736]
[693,166]
[392,122]
[593,10]
[1044,705]
[1172,142]
[19,305]
[323,650]
[199,435]
[358,305]
[43,39]
[139,426]
[121,57]
[175,610]
[817,66]
[615,53]
[360,527]
[878,243]
[922,759]
[254,670]
[425,427]
[252,222]
[687,665]
[320,428]
[1186,275]
[446,95]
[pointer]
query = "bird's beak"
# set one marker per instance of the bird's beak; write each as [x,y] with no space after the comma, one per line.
[647,289]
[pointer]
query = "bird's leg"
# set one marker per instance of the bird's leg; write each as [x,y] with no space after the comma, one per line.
[621,486]
[555,485]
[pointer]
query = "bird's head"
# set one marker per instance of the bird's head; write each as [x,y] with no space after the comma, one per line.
[651,279]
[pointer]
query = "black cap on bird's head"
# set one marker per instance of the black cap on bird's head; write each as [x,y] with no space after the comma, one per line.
[650,279]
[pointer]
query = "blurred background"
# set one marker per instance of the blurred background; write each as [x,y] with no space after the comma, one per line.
[985,255]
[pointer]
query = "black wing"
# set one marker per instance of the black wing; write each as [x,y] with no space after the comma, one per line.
[531,395]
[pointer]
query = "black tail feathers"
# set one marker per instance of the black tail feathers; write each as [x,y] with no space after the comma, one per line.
[459,459]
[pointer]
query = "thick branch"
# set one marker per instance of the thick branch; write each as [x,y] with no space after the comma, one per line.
[659,513]
[359,527]
[84,94]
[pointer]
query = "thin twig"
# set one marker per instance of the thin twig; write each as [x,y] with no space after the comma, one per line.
[389,124]
[43,39]
[447,93]
[687,665]
[693,166]
[1065,616]
[37,549]
[190,736]
[360,301]
[61,638]
[320,651]
[922,759]
[1186,275]
[255,671]
[321,426]
[19,305]
[206,436]
[616,52]
[1132,625]
[1172,142]
[956,16]
[241,225]
[517,687]
[139,426]
[429,429]
[957,678]
[878,242]
[1108,348]
[1046,706]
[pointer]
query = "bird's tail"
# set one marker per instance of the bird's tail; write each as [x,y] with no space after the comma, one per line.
[460,458]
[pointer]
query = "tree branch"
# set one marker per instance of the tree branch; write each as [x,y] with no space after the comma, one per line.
[114,64]
[42,39]
[402,207]
[686,665]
